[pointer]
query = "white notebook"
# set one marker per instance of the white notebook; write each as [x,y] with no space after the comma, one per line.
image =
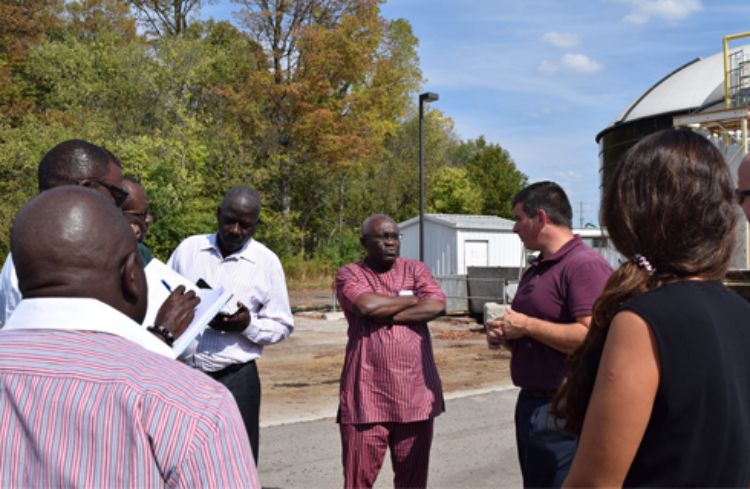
[162,280]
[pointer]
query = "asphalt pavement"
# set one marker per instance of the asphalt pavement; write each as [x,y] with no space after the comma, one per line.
[473,447]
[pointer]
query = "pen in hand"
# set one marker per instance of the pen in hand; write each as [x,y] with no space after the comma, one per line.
[166,285]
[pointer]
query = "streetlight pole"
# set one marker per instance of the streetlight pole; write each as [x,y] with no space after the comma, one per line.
[423,97]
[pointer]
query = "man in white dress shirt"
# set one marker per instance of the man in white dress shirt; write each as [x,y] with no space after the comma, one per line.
[232,259]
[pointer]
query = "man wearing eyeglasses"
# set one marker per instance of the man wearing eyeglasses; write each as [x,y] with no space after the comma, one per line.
[390,389]
[138,215]
[73,162]
[743,185]
[78,162]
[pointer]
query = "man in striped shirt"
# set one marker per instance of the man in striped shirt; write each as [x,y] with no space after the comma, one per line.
[390,388]
[88,398]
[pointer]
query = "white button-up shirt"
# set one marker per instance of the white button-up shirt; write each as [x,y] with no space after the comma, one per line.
[255,276]
[10,295]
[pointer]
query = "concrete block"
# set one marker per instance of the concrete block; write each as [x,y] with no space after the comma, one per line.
[493,310]
[333,316]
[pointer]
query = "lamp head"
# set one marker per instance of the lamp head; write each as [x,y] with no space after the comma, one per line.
[428,97]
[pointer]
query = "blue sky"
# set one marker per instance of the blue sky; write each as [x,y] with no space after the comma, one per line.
[543,77]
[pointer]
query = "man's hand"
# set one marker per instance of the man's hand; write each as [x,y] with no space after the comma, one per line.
[511,326]
[177,311]
[514,324]
[495,336]
[236,323]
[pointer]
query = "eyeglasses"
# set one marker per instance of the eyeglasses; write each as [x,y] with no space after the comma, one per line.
[387,236]
[118,194]
[740,195]
[145,215]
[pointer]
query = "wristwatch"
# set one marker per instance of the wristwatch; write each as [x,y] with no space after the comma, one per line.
[163,332]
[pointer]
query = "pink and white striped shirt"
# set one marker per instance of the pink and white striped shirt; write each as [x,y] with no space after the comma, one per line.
[86,408]
[389,373]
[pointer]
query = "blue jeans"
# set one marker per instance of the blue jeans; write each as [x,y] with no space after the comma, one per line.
[545,452]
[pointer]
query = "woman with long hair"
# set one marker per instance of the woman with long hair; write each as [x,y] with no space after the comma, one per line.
[660,390]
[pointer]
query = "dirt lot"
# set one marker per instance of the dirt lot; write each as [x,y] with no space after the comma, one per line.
[300,375]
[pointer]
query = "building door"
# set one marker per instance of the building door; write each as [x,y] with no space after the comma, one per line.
[476,253]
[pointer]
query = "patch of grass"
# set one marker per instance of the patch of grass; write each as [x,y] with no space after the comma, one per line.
[304,273]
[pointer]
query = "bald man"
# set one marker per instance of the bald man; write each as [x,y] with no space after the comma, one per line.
[88,398]
[390,390]
[232,259]
[743,185]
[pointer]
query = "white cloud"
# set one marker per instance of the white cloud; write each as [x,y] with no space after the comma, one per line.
[580,63]
[545,111]
[669,10]
[562,39]
[548,67]
[571,176]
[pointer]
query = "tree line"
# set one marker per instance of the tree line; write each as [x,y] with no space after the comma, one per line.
[312,102]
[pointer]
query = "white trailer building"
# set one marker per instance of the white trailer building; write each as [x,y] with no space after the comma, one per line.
[453,242]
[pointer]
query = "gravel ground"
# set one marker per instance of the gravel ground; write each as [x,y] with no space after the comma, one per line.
[300,375]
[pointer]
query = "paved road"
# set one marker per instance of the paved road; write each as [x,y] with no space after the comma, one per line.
[473,447]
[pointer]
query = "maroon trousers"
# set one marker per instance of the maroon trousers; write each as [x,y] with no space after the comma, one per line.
[363,448]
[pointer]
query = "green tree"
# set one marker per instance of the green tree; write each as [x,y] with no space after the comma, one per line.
[88,19]
[312,103]
[391,183]
[492,169]
[23,24]
[337,83]
[155,106]
[454,193]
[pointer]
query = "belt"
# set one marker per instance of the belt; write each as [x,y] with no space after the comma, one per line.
[230,369]
[539,393]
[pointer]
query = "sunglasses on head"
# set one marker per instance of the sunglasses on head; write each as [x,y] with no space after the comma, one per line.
[118,194]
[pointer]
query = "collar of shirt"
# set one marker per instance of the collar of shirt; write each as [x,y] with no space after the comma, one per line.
[247,252]
[80,314]
[559,254]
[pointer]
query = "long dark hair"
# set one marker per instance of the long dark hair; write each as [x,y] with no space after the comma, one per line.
[671,201]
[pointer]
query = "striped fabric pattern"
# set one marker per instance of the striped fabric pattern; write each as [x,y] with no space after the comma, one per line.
[389,373]
[89,409]
[363,448]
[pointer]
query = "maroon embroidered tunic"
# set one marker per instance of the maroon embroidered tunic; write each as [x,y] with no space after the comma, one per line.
[389,373]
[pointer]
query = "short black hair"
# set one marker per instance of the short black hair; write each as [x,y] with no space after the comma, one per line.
[367,223]
[72,161]
[243,193]
[547,196]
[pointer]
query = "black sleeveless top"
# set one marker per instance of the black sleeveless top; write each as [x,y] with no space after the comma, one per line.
[699,431]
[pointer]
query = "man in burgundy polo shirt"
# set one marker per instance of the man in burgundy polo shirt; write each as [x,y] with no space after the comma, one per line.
[548,320]
[390,388]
